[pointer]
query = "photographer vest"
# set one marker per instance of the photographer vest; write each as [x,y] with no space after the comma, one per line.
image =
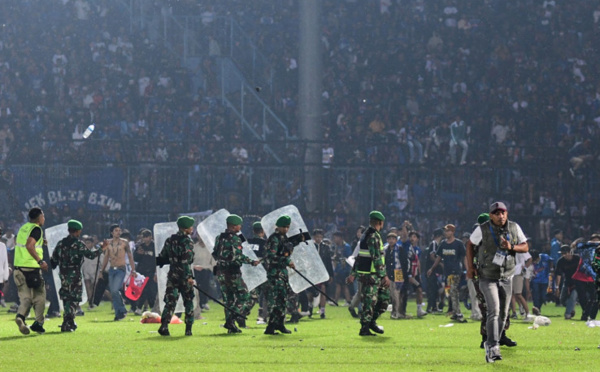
[490,244]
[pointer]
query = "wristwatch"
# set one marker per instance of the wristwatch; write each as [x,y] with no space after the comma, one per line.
[40,262]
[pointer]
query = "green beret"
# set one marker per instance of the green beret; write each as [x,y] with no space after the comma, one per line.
[257,225]
[185,222]
[74,225]
[376,215]
[283,221]
[234,219]
[484,217]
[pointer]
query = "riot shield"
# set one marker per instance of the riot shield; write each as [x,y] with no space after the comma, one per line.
[253,275]
[305,257]
[161,232]
[210,228]
[54,235]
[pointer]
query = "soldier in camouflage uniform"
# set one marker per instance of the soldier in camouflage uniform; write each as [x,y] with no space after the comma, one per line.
[229,257]
[277,258]
[370,269]
[178,252]
[68,256]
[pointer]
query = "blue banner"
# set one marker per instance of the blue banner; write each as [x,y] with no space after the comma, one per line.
[93,189]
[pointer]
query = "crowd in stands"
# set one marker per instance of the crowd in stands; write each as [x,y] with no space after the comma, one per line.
[439,86]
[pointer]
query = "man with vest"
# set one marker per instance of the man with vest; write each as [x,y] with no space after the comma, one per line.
[178,252]
[370,269]
[277,258]
[27,274]
[500,241]
[68,256]
[229,257]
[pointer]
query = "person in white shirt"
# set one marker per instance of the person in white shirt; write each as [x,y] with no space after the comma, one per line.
[4,269]
[523,260]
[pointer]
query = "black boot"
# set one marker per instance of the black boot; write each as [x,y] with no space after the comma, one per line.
[67,325]
[295,317]
[188,329]
[505,341]
[270,329]
[375,328]
[241,322]
[231,327]
[164,330]
[364,331]
[282,329]
[483,340]
[37,327]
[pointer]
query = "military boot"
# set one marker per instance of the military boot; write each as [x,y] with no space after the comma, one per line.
[67,324]
[188,329]
[505,341]
[231,327]
[375,328]
[241,322]
[270,329]
[295,317]
[281,328]
[364,331]
[164,330]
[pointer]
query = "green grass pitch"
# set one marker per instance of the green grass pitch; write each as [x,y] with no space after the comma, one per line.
[330,344]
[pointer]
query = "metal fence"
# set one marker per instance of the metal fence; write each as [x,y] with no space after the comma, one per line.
[157,192]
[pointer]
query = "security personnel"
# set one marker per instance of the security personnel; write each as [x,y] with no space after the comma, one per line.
[277,258]
[178,252]
[229,257]
[370,269]
[500,240]
[28,276]
[68,256]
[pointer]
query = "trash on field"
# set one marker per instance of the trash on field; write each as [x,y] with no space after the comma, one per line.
[593,323]
[542,320]
[447,325]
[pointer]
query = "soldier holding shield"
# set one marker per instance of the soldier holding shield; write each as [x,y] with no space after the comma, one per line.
[229,257]
[277,258]
[68,256]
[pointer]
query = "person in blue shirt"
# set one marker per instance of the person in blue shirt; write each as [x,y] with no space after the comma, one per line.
[555,254]
[555,245]
[542,265]
[342,269]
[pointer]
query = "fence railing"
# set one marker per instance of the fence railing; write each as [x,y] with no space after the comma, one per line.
[143,193]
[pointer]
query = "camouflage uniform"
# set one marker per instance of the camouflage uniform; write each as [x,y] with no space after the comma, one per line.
[179,251]
[68,256]
[375,295]
[277,258]
[229,257]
